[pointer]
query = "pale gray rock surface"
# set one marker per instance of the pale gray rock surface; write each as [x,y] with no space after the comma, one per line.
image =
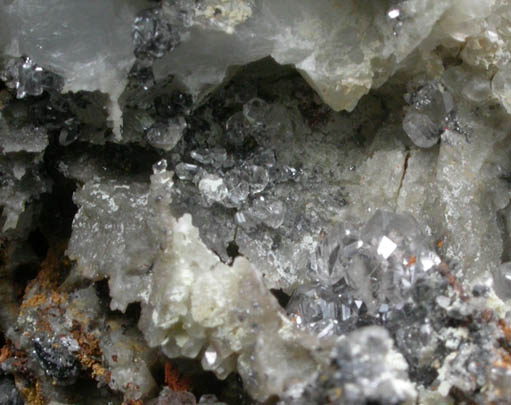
[84,42]
[114,215]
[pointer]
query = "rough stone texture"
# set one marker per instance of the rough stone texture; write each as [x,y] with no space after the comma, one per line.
[113,215]
[22,180]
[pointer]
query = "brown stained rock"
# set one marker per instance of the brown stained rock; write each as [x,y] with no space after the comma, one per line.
[506,330]
[5,353]
[51,268]
[33,395]
[90,354]
[504,352]
[133,402]
[453,281]
[44,298]
[17,360]
[174,380]
[34,301]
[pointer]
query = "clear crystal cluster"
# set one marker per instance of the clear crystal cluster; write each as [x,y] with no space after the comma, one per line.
[381,261]
[233,159]
[364,273]
[428,114]
[29,79]
[153,35]
[328,311]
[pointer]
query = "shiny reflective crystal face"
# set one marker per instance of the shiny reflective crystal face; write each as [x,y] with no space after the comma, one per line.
[169,168]
[364,271]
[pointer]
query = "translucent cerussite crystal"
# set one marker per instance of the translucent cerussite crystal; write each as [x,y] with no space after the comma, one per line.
[380,260]
[502,281]
[426,117]
[335,248]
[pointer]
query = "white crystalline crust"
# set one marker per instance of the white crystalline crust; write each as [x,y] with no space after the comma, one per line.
[31,140]
[200,306]
[194,305]
[373,344]
[112,238]
[458,190]
[342,48]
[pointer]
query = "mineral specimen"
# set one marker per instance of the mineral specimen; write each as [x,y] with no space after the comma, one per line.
[255,201]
